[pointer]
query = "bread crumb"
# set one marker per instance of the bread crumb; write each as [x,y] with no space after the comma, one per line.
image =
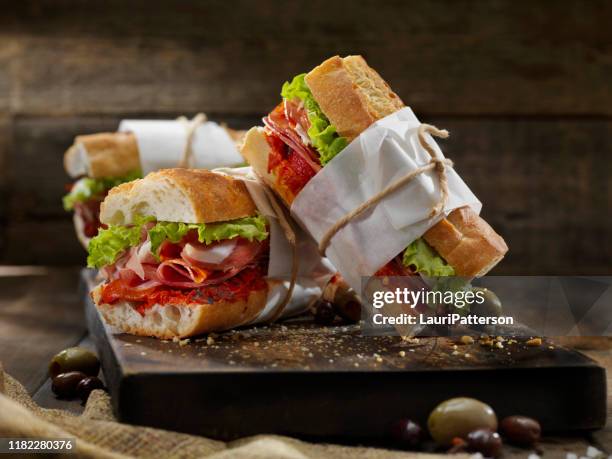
[533,342]
[465,339]
[356,364]
[143,353]
[184,342]
[402,353]
[210,340]
[499,345]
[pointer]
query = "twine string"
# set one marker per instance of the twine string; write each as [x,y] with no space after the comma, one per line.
[190,127]
[436,164]
[290,235]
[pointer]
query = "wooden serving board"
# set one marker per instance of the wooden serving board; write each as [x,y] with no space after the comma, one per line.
[309,381]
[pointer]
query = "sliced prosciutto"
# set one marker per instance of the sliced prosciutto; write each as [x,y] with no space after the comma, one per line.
[188,264]
[279,125]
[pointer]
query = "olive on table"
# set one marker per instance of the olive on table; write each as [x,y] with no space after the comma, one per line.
[491,305]
[87,385]
[407,433]
[74,359]
[521,430]
[459,416]
[484,441]
[346,304]
[324,313]
[65,385]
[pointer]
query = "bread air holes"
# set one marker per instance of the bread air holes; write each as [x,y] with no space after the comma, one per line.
[118,218]
[140,208]
[157,318]
[172,313]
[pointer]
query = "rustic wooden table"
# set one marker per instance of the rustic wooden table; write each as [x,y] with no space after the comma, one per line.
[41,313]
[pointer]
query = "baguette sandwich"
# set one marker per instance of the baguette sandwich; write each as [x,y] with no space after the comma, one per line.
[99,162]
[321,112]
[184,252]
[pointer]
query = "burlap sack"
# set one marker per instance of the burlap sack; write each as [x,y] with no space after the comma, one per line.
[99,435]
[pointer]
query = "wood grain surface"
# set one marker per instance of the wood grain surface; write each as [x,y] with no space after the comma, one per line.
[30,367]
[523,88]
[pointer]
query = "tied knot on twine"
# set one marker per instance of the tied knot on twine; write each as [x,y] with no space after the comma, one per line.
[436,164]
[190,128]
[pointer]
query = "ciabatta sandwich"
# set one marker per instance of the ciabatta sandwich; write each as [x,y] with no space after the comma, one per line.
[321,112]
[184,252]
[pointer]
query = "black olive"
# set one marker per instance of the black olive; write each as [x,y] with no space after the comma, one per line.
[324,313]
[521,430]
[485,442]
[87,385]
[74,359]
[407,433]
[64,385]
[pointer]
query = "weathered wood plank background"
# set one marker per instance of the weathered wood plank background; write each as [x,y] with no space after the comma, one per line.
[524,87]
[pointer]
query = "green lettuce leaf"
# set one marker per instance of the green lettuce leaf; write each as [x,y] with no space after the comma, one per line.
[110,243]
[322,134]
[87,188]
[425,260]
[249,228]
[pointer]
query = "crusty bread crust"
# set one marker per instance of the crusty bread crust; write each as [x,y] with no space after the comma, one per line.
[467,243]
[109,154]
[255,150]
[181,321]
[351,94]
[178,195]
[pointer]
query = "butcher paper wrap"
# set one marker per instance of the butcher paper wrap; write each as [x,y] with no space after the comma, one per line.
[162,144]
[385,152]
[313,271]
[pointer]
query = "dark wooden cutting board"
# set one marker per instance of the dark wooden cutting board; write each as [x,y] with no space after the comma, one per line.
[305,380]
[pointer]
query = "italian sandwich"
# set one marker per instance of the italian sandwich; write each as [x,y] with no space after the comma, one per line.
[99,162]
[321,112]
[183,252]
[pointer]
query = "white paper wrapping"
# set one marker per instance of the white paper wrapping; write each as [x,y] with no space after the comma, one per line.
[161,144]
[382,154]
[314,271]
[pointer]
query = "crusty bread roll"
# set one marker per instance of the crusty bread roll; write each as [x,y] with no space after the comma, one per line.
[107,154]
[256,151]
[178,195]
[111,154]
[181,321]
[353,96]
[189,196]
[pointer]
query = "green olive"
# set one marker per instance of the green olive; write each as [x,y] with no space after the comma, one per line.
[457,417]
[74,359]
[491,305]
